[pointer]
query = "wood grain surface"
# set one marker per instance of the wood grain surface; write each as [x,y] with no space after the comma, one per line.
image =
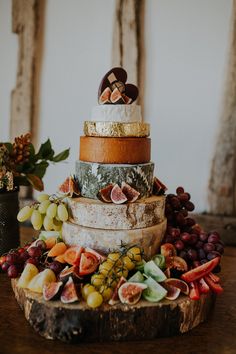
[217,335]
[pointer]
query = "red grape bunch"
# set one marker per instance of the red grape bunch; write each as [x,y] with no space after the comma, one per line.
[191,242]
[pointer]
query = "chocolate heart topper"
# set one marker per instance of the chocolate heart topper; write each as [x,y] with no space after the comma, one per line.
[114,90]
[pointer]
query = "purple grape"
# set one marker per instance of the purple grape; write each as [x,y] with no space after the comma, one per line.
[12,258]
[203,237]
[180,219]
[219,248]
[179,190]
[169,239]
[208,247]
[201,254]
[183,254]
[35,252]
[5,266]
[193,239]
[41,244]
[212,255]
[184,212]
[196,264]
[203,261]
[23,257]
[184,197]
[192,254]
[217,269]
[179,245]
[189,206]
[32,261]
[56,267]
[175,232]
[190,222]
[213,238]
[185,237]
[199,244]
[12,271]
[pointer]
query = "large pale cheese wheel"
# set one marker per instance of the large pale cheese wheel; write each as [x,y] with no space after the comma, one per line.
[148,238]
[115,150]
[117,113]
[94,176]
[94,213]
[116,129]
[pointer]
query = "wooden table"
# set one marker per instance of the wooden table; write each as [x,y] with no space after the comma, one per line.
[218,335]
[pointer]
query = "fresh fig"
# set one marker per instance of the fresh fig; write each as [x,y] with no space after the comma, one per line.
[105,193]
[115,297]
[130,293]
[70,272]
[129,192]
[119,85]
[52,291]
[69,292]
[158,187]
[178,283]
[116,97]
[117,196]
[70,187]
[172,291]
[105,96]
[127,99]
[177,263]
[168,250]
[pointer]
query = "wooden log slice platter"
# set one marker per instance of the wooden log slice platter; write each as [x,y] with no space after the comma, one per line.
[145,320]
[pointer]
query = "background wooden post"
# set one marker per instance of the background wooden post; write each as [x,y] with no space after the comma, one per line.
[128,41]
[222,184]
[27,22]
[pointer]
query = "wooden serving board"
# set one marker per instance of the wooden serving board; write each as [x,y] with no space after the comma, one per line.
[145,320]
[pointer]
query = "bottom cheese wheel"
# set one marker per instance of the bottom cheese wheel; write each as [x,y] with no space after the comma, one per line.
[115,150]
[148,238]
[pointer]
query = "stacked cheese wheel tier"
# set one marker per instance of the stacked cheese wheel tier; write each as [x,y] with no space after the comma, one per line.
[94,213]
[117,113]
[148,238]
[116,129]
[94,176]
[115,150]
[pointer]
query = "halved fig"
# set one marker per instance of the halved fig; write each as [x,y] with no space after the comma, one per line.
[172,291]
[69,292]
[127,99]
[131,193]
[105,193]
[105,96]
[117,196]
[168,250]
[158,187]
[72,272]
[130,293]
[115,297]
[116,97]
[52,291]
[118,84]
[177,283]
[70,187]
[177,263]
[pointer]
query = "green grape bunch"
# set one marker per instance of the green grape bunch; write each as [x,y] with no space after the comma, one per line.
[49,212]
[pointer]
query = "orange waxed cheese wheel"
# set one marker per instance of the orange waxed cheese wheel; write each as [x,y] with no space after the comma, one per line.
[115,150]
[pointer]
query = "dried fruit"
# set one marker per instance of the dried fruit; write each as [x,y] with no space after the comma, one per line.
[51,291]
[105,96]
[168,250]
[117,196]
[69,292]
[129,192]
[116,97]
[177,283]
[105,193]
[130,293]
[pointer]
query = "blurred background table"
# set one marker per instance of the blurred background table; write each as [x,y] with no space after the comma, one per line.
[218,335]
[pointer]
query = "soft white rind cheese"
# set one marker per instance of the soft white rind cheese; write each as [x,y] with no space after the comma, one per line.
[148,238]
[124,113]
[94,213]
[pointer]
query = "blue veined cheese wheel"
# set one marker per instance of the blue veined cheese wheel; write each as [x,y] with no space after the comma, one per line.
[94,176]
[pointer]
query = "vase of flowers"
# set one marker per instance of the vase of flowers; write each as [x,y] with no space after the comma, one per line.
[20,165]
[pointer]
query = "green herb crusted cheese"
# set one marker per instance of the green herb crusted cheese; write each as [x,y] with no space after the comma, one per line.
[94,176]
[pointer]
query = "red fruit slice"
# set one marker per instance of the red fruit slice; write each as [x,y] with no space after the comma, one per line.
[115,297]
[168,250]
[51,291]
[178,283]
[203,287]
[88,263]
[105,96]
[69,187]
[214,277]
[69,293]
[158,187]
[129,192]
[200,271]
[72,254]
[194,291]
[105,193]
[117,196]
[116,97]
[215,287]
